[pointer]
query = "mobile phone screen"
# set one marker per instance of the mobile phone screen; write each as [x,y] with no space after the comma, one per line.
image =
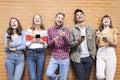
[9,37]
[37,36]
[62,28]
[82,36]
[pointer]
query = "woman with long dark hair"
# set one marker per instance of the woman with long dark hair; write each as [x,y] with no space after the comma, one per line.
[36,42]
[106,57]
[14,47]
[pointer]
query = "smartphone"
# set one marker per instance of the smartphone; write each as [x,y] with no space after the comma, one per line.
[9,37]
[62,28]
[37,36]
[82,36]
[104,38]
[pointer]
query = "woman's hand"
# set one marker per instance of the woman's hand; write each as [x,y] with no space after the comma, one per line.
[8,42]
[98,33]
[12,49]
[33,40]
[81,40]
[41,41]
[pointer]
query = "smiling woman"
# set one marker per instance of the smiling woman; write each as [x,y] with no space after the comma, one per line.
[36,43]
[14,47]
[106,57]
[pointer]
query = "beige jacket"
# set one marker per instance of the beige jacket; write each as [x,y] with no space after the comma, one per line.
[74,36]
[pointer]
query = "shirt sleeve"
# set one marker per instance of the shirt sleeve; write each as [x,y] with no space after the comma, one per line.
[45,38]
[51,42]
[5,44]
[73,42]
[116,32]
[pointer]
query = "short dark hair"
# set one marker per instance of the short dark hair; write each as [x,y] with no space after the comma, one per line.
[78,10]
[61,14]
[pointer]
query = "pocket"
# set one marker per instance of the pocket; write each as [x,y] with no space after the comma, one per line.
[91,60]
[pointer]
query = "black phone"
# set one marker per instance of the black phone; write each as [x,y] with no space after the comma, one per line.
[104,38]
[37,36]
[9,37]
[82,36]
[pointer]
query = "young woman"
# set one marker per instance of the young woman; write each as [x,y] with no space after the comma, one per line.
[14,47]
[36,42]
[106,57]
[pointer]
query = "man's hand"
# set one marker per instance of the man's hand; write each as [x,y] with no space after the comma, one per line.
[81,40]
[62,33]
[56,39]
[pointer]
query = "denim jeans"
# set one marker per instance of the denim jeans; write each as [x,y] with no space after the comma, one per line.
[63,68]
[84,68]
[35,61]
[15,65]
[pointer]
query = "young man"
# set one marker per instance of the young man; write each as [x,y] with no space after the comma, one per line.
[58,40]
[83,49]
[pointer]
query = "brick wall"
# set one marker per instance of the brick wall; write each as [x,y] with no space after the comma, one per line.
[25,9]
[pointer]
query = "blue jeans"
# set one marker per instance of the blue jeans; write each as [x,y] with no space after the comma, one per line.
[35,60]
[15,65]
[63,68]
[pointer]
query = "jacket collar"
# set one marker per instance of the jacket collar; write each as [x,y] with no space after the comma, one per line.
[77,27]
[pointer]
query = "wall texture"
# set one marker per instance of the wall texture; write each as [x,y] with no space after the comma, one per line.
[25,9]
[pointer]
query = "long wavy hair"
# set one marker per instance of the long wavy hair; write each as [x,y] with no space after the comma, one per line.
[102,25]
[33,23]
[18,29]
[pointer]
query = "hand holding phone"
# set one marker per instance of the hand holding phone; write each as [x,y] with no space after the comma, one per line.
[9,37]
[62,28]
[105,39]
[82,36]
[62,31]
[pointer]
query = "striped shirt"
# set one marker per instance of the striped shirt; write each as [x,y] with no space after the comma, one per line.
[30,36]
[60,49]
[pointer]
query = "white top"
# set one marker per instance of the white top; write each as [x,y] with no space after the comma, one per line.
[31,45]
[84,48]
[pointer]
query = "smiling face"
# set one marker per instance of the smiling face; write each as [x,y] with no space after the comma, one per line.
[37,20]
[59,20]
[79,17]
[14,23]
[106,21]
